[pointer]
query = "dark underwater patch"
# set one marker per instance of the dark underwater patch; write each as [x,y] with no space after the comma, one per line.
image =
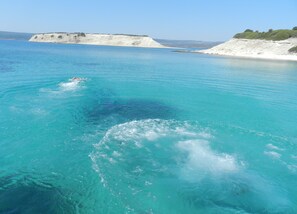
[27,196]
[7,66]
[128,110]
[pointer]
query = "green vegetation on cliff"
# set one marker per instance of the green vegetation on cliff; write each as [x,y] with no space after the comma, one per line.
[274,35]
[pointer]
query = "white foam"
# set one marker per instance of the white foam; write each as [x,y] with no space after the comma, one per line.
[272,154]
[116,154]
[71,85]
[152,130]
[273,147]
[151,135]
[201,158]
[186,155]
[192,143]
[136,136]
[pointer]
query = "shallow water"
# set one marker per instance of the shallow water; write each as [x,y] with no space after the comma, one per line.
[146,131]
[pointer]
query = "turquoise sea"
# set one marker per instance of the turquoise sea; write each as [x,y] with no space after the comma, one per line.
[145,131]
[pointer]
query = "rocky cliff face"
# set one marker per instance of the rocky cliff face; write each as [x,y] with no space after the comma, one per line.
[97,39]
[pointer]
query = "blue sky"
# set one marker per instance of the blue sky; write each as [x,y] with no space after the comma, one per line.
[209,20]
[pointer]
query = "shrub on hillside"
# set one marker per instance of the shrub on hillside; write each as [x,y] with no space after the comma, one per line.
[294,33]
[275,35]
[294,28]
[81,34]
[278,35]
[60,37]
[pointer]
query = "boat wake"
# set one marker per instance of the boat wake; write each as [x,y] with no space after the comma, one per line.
[151,164]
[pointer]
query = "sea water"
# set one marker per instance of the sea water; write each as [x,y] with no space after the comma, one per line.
[144,131]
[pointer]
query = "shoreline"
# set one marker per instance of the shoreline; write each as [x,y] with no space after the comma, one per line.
[254,49]
[283,58]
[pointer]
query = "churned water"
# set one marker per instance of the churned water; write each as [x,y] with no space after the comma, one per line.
[144,131]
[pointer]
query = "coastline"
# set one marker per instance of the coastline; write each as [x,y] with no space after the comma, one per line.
[98,39]
[254,49]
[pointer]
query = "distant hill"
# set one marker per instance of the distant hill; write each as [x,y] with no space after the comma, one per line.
[4,35]
[187,43]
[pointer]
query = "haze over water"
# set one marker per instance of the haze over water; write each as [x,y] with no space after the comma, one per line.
[146,131]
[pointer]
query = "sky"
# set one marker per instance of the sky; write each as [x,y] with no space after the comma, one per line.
[206,20]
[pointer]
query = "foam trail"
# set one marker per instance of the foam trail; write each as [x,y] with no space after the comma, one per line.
[72,84]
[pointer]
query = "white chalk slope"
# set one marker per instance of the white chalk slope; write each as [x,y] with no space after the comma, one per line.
[97,39]
[255,48]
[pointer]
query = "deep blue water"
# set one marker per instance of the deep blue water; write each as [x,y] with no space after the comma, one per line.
[146,131]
